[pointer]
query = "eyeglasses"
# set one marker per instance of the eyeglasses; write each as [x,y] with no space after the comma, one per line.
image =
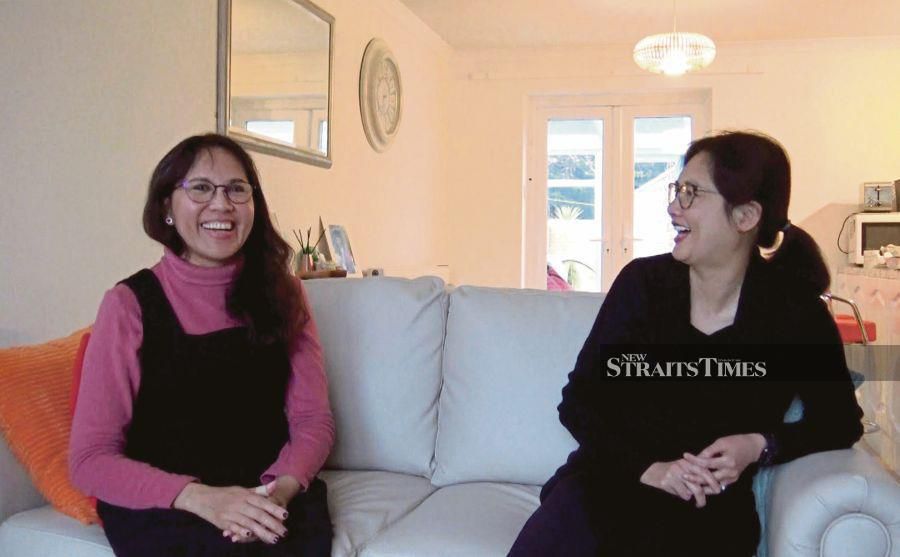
[685,193]
[203,191]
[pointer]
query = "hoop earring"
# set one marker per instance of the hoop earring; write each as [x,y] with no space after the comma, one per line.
[169,220]
[769,252]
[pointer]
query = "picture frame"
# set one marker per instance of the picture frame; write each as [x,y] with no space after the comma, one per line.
[879,197]
[336,246]
[339,242]
[325,249]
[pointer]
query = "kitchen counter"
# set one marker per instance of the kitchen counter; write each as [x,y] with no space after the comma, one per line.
[877,272]
[877,293]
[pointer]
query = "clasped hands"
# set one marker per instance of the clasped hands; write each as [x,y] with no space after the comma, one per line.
[243,514]
[710,471]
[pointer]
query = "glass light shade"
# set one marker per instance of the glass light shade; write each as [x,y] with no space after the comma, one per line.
[674,53]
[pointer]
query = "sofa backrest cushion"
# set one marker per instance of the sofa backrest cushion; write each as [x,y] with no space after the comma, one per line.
[507,355]
[382,340]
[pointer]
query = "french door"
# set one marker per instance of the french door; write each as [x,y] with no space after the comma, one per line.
[596,186]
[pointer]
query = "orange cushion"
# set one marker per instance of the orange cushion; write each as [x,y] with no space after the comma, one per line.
[35,417]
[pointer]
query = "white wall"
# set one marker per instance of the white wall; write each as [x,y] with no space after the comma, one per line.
[95,92]
[832,103]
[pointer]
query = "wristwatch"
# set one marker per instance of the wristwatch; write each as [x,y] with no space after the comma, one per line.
[767,456]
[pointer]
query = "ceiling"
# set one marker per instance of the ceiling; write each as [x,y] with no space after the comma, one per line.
[530,23]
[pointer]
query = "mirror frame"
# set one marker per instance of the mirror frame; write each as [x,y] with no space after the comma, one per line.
[223,92]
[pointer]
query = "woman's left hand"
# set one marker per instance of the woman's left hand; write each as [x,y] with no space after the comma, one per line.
[727,457]
[280,491]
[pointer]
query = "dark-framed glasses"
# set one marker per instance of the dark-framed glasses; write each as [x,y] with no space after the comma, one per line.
[685,194]
[200,190]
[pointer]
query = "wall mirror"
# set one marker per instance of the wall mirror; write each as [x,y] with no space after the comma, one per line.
[274,77]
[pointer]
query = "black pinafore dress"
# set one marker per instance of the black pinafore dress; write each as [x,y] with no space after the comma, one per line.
[209,406]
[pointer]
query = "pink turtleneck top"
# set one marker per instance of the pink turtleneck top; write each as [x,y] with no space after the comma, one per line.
[111,377]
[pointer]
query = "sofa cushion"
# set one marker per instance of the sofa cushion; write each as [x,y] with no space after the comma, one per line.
[45,531]
[507,356]
[469,519]
[17,491]
[382,339]
[363,504]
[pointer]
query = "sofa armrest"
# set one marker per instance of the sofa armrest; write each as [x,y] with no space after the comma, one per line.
[833,504]
[17,493]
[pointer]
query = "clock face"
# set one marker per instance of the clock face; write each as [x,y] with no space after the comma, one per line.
[380,95]
[387,96]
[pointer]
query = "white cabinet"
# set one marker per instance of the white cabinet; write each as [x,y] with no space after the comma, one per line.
[877,293]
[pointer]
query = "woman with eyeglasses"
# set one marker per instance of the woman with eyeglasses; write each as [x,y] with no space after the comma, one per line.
[667,450]
[203,414]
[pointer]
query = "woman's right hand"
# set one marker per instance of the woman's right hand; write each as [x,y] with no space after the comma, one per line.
[235,509]
[671,477]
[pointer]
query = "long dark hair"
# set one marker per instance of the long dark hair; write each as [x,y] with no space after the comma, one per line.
[750,166]
[264,294]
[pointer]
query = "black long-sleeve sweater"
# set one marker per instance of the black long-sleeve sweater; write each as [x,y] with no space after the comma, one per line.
[624,426]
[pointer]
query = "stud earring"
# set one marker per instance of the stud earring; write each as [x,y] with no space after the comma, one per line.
[169,220]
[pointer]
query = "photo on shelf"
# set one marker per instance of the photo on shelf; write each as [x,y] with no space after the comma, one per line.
[336,246]
[340,241]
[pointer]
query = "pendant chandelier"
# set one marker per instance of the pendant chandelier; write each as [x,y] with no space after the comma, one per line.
[674,53]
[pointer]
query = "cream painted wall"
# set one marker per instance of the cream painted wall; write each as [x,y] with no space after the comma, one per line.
[833,103]
[392,202]
[94,94]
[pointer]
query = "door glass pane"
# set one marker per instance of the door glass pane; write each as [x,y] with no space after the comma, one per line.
[659,144]
[574,197]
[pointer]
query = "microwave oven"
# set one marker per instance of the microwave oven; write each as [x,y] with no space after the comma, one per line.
[871,231]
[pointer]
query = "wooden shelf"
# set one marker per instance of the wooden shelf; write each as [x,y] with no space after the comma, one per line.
[336,273]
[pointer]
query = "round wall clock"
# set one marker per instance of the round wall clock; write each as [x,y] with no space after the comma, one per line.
[380,94]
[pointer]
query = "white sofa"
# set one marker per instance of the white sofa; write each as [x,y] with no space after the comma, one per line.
[445,405]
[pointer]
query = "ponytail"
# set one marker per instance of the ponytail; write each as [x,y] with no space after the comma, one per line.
[799,257]
[751,166]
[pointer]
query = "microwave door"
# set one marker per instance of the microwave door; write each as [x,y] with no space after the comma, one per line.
[871,232]
[877,234]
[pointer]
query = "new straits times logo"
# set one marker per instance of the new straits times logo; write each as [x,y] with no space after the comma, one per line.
[636,365]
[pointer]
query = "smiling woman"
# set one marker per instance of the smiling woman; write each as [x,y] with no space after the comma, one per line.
[213,221]
[677,479]
[212,225]
[185,226]
[200,372]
